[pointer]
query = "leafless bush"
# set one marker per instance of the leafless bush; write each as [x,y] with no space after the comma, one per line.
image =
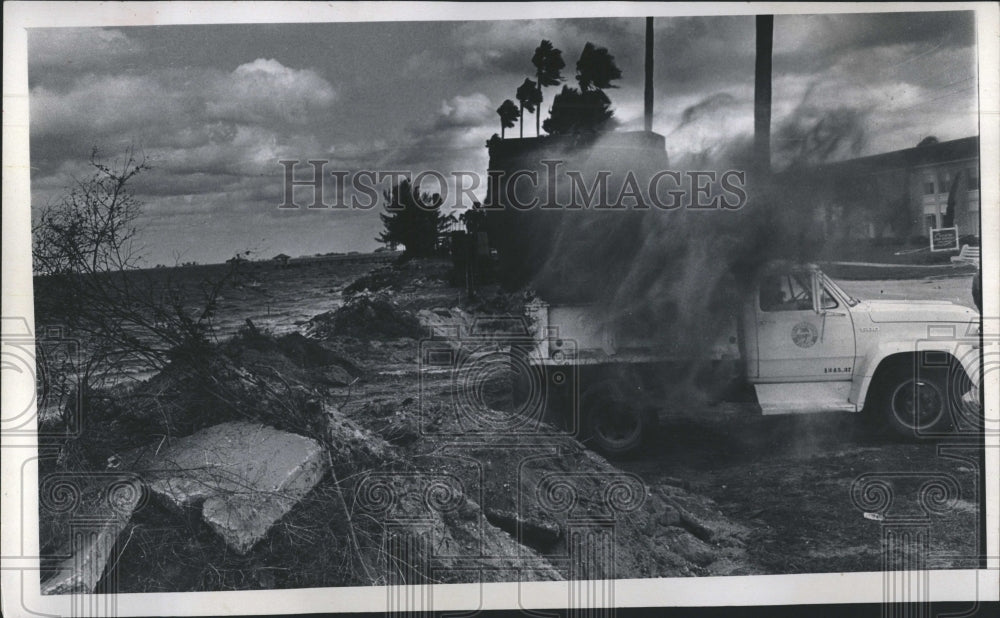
[87,260]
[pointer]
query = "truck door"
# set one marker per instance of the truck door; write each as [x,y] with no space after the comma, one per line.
[804,333]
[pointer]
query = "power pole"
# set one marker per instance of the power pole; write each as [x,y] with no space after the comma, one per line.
[762,94]
[649,75]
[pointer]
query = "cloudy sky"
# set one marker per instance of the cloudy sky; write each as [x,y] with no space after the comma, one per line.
[216,107]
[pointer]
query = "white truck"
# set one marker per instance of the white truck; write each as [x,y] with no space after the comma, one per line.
[801,342]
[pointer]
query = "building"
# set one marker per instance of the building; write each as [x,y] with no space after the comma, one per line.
[906,193]
[562,249]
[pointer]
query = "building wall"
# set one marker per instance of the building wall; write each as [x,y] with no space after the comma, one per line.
[905,193]
[564,250]
[930,188]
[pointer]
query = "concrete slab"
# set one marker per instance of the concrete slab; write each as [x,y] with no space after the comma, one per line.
[244,476]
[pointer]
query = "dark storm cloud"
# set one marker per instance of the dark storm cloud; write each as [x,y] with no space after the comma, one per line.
[833,33]
[808,43]
[504,49]
[690,52]
[59,50]
[694,51]
[192,121]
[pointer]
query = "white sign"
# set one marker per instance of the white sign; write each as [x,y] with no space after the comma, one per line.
[944,239]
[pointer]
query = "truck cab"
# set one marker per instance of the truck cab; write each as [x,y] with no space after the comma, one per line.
[800,341]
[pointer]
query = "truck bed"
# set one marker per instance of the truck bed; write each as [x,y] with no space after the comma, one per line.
[584,335]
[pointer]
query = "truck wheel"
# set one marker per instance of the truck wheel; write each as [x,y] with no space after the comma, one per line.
[615,427]
[912,404]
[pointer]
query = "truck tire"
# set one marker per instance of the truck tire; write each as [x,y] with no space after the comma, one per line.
[615,427]
[911,404]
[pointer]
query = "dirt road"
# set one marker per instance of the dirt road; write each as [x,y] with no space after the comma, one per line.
[789,480]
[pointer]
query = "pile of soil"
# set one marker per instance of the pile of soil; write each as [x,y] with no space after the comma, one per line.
[407,275]
[254,376]
[294,356]
[366,316]
[547,491]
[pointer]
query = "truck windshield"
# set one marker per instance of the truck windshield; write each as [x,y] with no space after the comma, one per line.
[831,284]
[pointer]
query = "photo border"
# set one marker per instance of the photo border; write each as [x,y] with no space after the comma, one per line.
[19,574]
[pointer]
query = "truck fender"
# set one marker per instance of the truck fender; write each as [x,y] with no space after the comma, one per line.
[868,366]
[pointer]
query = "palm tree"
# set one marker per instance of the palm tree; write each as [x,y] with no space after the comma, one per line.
[548,69]
[596,68]
[578,112]
[588,109]
[529,97]
[508,113]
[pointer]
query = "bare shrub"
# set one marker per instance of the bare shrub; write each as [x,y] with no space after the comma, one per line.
[87,261]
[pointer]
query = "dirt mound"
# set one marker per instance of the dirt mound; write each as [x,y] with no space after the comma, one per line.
[551,495]
[549,492]
[402,276]
[293,356]
[433,529]
[366,316]
[279,382]
[542,487]
[386,277]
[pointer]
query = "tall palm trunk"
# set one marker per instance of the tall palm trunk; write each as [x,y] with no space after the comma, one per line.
[522,119]
[538,109]
[762,94]
[648,91]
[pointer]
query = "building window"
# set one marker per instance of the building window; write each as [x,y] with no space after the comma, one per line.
[931,222]
[929,187]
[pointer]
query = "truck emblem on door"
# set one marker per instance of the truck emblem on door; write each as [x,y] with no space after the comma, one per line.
[804,334]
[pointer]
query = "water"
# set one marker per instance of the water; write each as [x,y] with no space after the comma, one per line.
[277,299]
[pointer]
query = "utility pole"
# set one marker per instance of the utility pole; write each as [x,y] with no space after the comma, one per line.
[649,75]
[762,94]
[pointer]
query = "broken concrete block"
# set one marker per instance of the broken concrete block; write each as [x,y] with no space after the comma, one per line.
[93,529]
[245,477]
[92,545]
